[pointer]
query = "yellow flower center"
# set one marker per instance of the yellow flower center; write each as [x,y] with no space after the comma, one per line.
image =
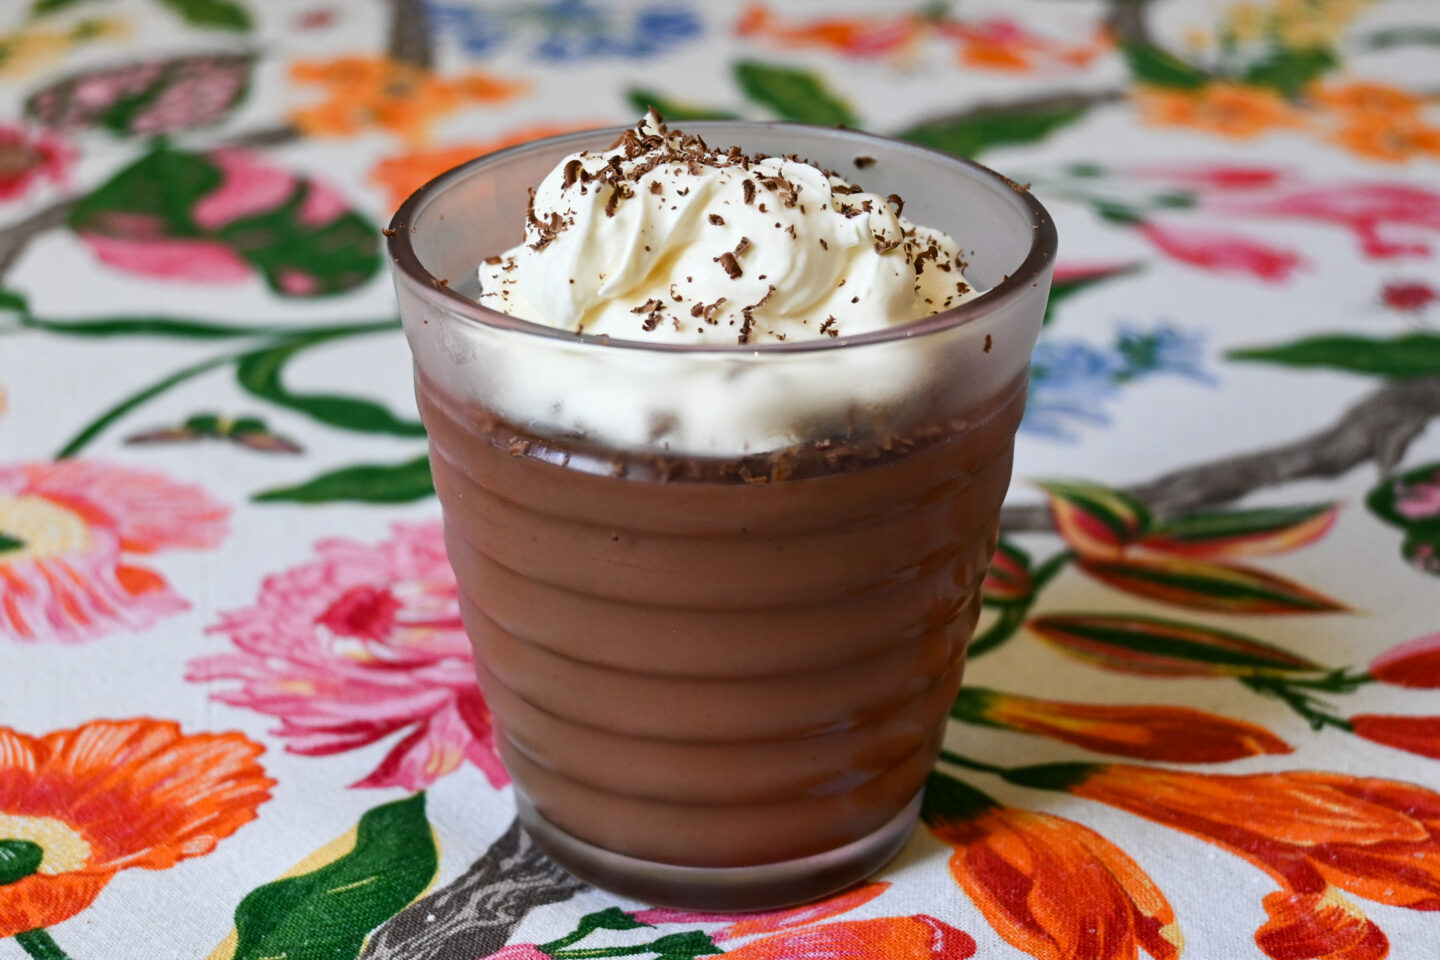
[40,528]
[65,850]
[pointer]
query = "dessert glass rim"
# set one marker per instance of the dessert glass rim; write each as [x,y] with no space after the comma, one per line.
[1043,244]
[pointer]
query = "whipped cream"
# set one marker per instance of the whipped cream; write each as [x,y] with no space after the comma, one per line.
[664,238]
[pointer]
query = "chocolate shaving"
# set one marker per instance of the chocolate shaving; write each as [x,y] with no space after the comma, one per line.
[823,244]
[655,187]
[649,306]
[748,187]
[742,246]
[572,171]
[730,265]
[495,261]
[989,342]
[716,220]
[828,327]
[863,162]
[897,203]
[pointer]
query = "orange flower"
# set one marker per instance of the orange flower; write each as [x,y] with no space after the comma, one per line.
[1174,734]
[1308,926]
[1229,109]
[364,92]
[1368,99]
[918,937]
[1418,735]
[77,806]
[1313,833]
[1051,888]
[402,175]
[1391,139]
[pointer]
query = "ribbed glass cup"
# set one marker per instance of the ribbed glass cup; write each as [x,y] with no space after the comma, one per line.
[720,595]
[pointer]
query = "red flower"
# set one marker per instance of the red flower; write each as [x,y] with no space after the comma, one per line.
[1174,734]
[1418,735]
[1008,580]
[111,795]
[1220,176]
[1415,663]
[26,158]
[1051,888]
[1222,252]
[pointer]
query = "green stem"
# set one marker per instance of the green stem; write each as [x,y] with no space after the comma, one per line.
[600,952]
[958,760]
[1012,616]
[1317,713]
[97,426]
[40,945]
[1004,627]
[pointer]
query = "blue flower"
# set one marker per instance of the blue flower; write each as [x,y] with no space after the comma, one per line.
[1071,382]
[567,29]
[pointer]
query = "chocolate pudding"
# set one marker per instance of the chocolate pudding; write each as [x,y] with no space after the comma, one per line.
[720,595]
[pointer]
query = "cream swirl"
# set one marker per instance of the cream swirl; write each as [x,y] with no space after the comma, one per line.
[664,238]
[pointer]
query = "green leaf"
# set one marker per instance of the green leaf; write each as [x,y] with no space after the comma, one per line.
[1150,646]
[1411,355]
[365,483]
[327,914]
[1402,36]
[214,14]
[684,946]
[948,801]
[1200,585]
[1062,288]
[148,98]
[42,7]
[300,247]
[1421,550]
[793,94]
[9,544]
[1405,501]
[642,99]
[1095,519]
[259,373]
[1289,70]
[1265,530]
[611,918]
[1159,68]
[976,131]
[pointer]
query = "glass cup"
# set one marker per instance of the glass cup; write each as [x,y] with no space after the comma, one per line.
[720,595]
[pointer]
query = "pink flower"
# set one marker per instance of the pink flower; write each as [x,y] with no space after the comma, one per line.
[1222,252]
[1389,219]
[517,951]
[362,644]
[68,535]
[1419,501]
[26,158]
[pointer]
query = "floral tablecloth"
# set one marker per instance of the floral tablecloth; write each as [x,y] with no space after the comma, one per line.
[237,712]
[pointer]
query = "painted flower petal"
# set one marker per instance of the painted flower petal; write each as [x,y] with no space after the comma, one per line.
[1244,533]
[1008,579]
[1417,735]
[1222,252]
[1415,664]
[918,937]
[1049,887]
[1151,646]
[1146,732]
[1201,585]
[747,925]
[1307,926]
[1095,521]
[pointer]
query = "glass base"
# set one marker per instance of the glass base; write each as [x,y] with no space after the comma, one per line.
[766,886]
